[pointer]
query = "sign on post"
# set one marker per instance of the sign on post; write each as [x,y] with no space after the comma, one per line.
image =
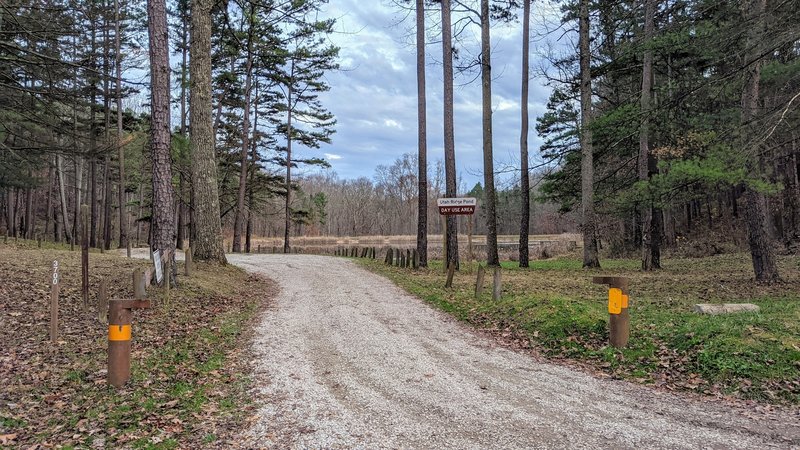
[157,263]
[54,304]
[456,206]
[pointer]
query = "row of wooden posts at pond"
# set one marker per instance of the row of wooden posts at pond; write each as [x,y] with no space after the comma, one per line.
[409,258]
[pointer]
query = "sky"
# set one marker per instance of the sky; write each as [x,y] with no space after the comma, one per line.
[374,94]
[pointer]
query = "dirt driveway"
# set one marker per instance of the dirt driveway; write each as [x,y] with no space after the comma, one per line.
[346,359]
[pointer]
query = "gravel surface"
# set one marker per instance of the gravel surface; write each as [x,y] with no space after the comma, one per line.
[345,359]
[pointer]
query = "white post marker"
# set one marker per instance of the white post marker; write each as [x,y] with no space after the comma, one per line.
[457,206]
[157,263]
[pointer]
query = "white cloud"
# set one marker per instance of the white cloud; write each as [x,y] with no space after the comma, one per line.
[332,156]
[391,123]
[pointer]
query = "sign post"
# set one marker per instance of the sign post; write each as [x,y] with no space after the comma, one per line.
[54,304]
[457,206]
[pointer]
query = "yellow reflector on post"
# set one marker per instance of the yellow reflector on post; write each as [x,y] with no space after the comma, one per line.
[119,332]
[614,301]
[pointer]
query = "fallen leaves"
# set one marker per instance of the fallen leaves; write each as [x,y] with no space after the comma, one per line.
[58,393]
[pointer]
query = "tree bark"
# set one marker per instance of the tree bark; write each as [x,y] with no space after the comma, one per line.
[755,210]
[163,224]
[492,258]
[451,243]
[123,205]
[524,181]
[589,226]
[287,209]
[62,197]
[207,244]
[647,166]
[422,141]
[241,213]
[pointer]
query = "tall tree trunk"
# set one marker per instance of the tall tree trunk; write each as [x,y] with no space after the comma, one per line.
[422,141]
[755,209]
[207,244]
[76,218]
[107,201]
[93,145]
[287,209]
[49,205]
[62,193]
[241,213]
[123,205]
[184,77]
[524,181]
[589,226]
[252,172]
[490,206]
[451,243]
[647,166]
[163,224]
[28,212]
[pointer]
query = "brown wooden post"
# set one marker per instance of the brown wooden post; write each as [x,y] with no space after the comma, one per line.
[54,289]
[479,282]
[402,262]
[128,247]
[619,317]
[139,289]
[408,258]
[102,302]
[85,256]
[102,246]
[497,286]
[415,259]
[451,270]
[119,339]
[39,241]
[389,256]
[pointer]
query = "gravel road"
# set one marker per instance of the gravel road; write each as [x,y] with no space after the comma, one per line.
[345,359]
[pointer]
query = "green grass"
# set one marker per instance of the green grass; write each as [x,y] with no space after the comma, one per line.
[562,314]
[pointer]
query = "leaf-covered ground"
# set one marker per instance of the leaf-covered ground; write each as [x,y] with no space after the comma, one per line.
[189,380]
[553,309]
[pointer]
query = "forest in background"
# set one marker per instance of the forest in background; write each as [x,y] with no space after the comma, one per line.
[668,120]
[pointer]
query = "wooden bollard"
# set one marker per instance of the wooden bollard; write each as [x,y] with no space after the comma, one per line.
[389,257]
[187,263]
[5,239]
[479,282]
[54,289]
[414,259]
[397,253]
[497,285]
[102,302]
[39,241]
[119,339]
[139,284]
[451,270]
[408,258]
[619,322]
[402,259]
[85,256]
[102,247]
[128,247]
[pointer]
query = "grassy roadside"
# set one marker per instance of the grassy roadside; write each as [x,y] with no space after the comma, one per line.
[189,380]
[555,309]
